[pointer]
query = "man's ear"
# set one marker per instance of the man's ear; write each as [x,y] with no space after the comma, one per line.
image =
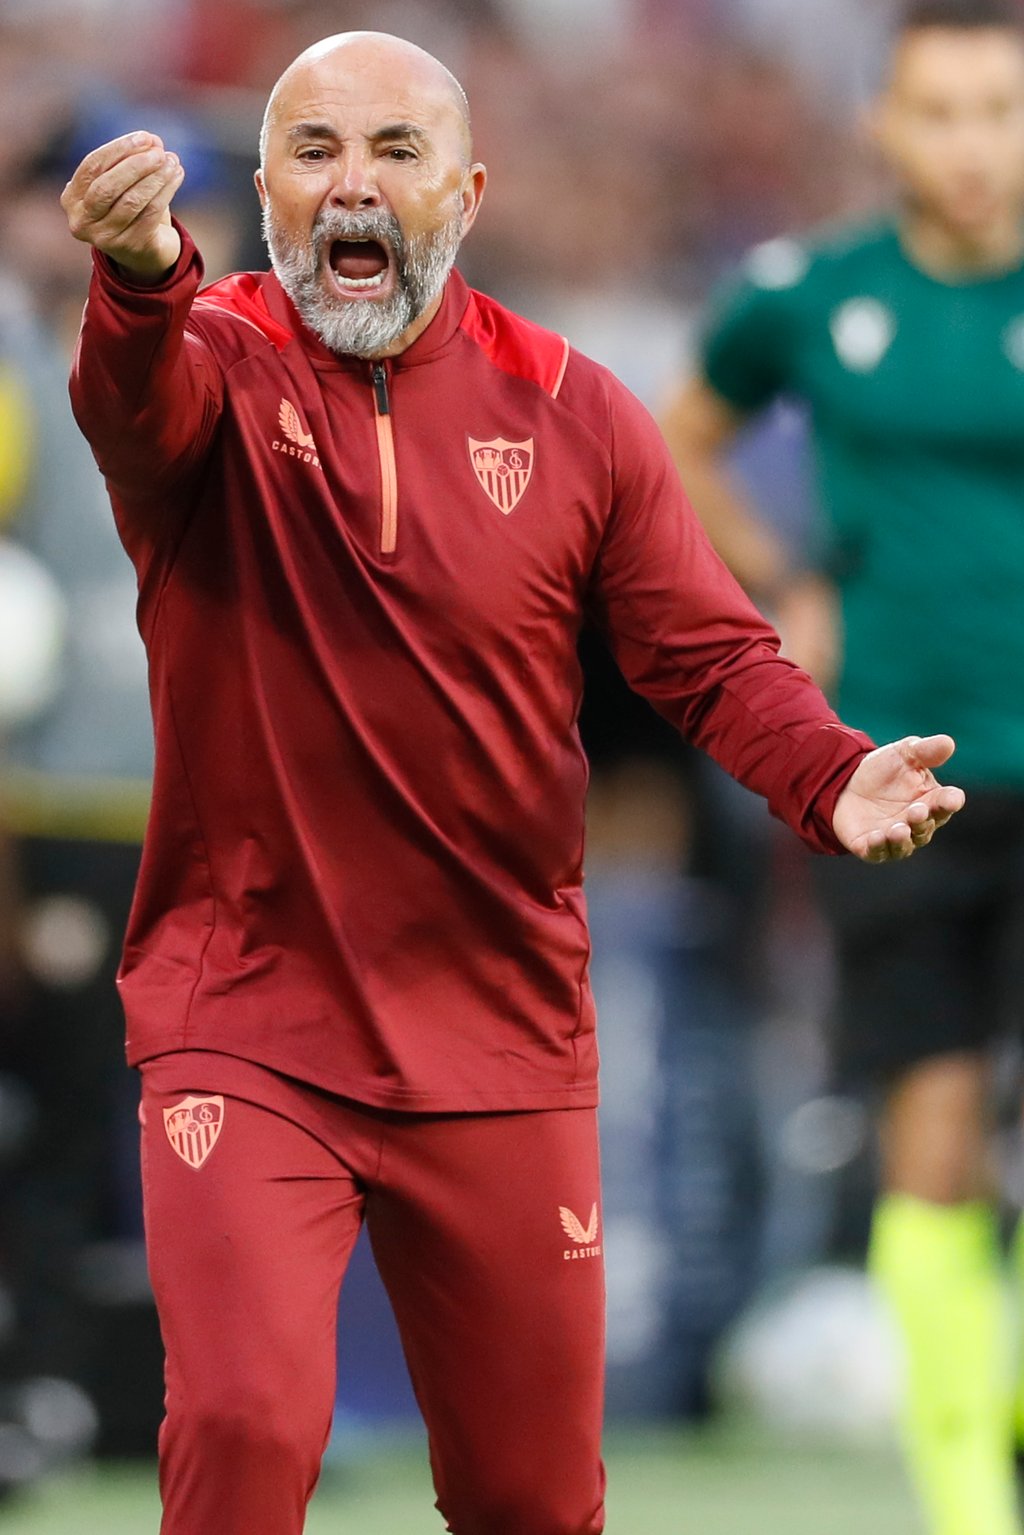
[261,187]
[472,192]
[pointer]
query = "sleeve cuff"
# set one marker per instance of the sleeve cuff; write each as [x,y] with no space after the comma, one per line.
[187,268]
[816,776]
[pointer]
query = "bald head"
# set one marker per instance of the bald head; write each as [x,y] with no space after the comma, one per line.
[401,68]
[367,187]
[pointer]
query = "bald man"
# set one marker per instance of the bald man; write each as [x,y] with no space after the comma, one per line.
[368,508]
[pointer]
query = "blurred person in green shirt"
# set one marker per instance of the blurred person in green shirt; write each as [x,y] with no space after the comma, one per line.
[905,340]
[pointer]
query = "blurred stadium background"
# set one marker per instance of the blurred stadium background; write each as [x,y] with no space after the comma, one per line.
[636,149]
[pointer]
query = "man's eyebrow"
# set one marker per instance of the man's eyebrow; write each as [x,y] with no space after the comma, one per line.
[400,131]
[311,131]
[390,132]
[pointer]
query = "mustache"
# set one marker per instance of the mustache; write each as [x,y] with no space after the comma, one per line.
[372,224]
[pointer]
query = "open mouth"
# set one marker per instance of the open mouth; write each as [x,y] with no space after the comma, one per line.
[359,266]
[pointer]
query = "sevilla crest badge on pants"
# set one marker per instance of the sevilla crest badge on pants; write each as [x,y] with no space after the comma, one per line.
[193,1128]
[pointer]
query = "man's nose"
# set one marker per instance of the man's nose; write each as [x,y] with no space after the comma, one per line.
[355,184]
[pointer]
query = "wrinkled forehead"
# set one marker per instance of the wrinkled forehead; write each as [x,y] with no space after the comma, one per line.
[356,96]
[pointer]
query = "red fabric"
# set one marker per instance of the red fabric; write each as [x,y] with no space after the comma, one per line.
[363,863]
[502,1325]
[515,345]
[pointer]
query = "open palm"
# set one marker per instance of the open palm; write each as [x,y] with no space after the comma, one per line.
[893,804]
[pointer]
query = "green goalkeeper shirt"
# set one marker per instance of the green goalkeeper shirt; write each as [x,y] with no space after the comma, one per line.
[916,393]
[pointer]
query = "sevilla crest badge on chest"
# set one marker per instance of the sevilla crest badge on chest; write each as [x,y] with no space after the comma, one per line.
[503,469]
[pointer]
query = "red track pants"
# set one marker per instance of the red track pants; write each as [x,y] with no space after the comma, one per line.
[485,1231]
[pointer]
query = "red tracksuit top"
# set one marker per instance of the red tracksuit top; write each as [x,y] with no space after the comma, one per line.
[360,588]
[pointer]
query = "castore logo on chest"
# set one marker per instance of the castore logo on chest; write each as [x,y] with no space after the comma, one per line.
[295,441]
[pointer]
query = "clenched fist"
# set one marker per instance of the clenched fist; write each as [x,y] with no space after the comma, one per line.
[119,200]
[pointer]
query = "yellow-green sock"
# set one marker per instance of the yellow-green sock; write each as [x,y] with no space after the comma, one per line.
[1017,1271]
[938,1267]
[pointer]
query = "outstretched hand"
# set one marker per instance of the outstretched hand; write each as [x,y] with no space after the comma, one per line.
[893,804]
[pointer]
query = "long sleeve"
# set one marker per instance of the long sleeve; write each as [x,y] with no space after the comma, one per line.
[146,391]
[688,639]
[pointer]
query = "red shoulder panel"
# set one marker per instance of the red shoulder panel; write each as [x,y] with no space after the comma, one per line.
[515,345]
[242,297]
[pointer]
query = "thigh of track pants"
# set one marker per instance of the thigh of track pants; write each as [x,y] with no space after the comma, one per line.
[486,1230]
[247,1252]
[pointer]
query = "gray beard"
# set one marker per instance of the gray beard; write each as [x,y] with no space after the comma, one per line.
[353,326]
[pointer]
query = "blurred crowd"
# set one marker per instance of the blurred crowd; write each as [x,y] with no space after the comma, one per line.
[635,148]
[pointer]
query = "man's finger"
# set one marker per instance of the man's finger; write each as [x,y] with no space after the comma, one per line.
[875,846]
[942,813]
[927,751]
[101,159]
[102,194]
[887,845]
[141,198]
[162,198]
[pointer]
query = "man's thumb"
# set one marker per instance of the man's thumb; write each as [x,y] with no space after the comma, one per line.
[927,751]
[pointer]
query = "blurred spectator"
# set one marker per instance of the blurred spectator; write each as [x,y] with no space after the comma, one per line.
[76,773]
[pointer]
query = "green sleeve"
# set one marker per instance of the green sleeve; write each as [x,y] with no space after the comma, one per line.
[747,345]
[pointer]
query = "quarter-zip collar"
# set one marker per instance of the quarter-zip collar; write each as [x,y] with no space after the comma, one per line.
[434,341]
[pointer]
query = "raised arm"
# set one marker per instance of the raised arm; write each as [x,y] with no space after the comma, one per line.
[146,393]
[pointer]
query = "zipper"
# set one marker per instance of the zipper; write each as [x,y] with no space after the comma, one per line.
[386,454]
